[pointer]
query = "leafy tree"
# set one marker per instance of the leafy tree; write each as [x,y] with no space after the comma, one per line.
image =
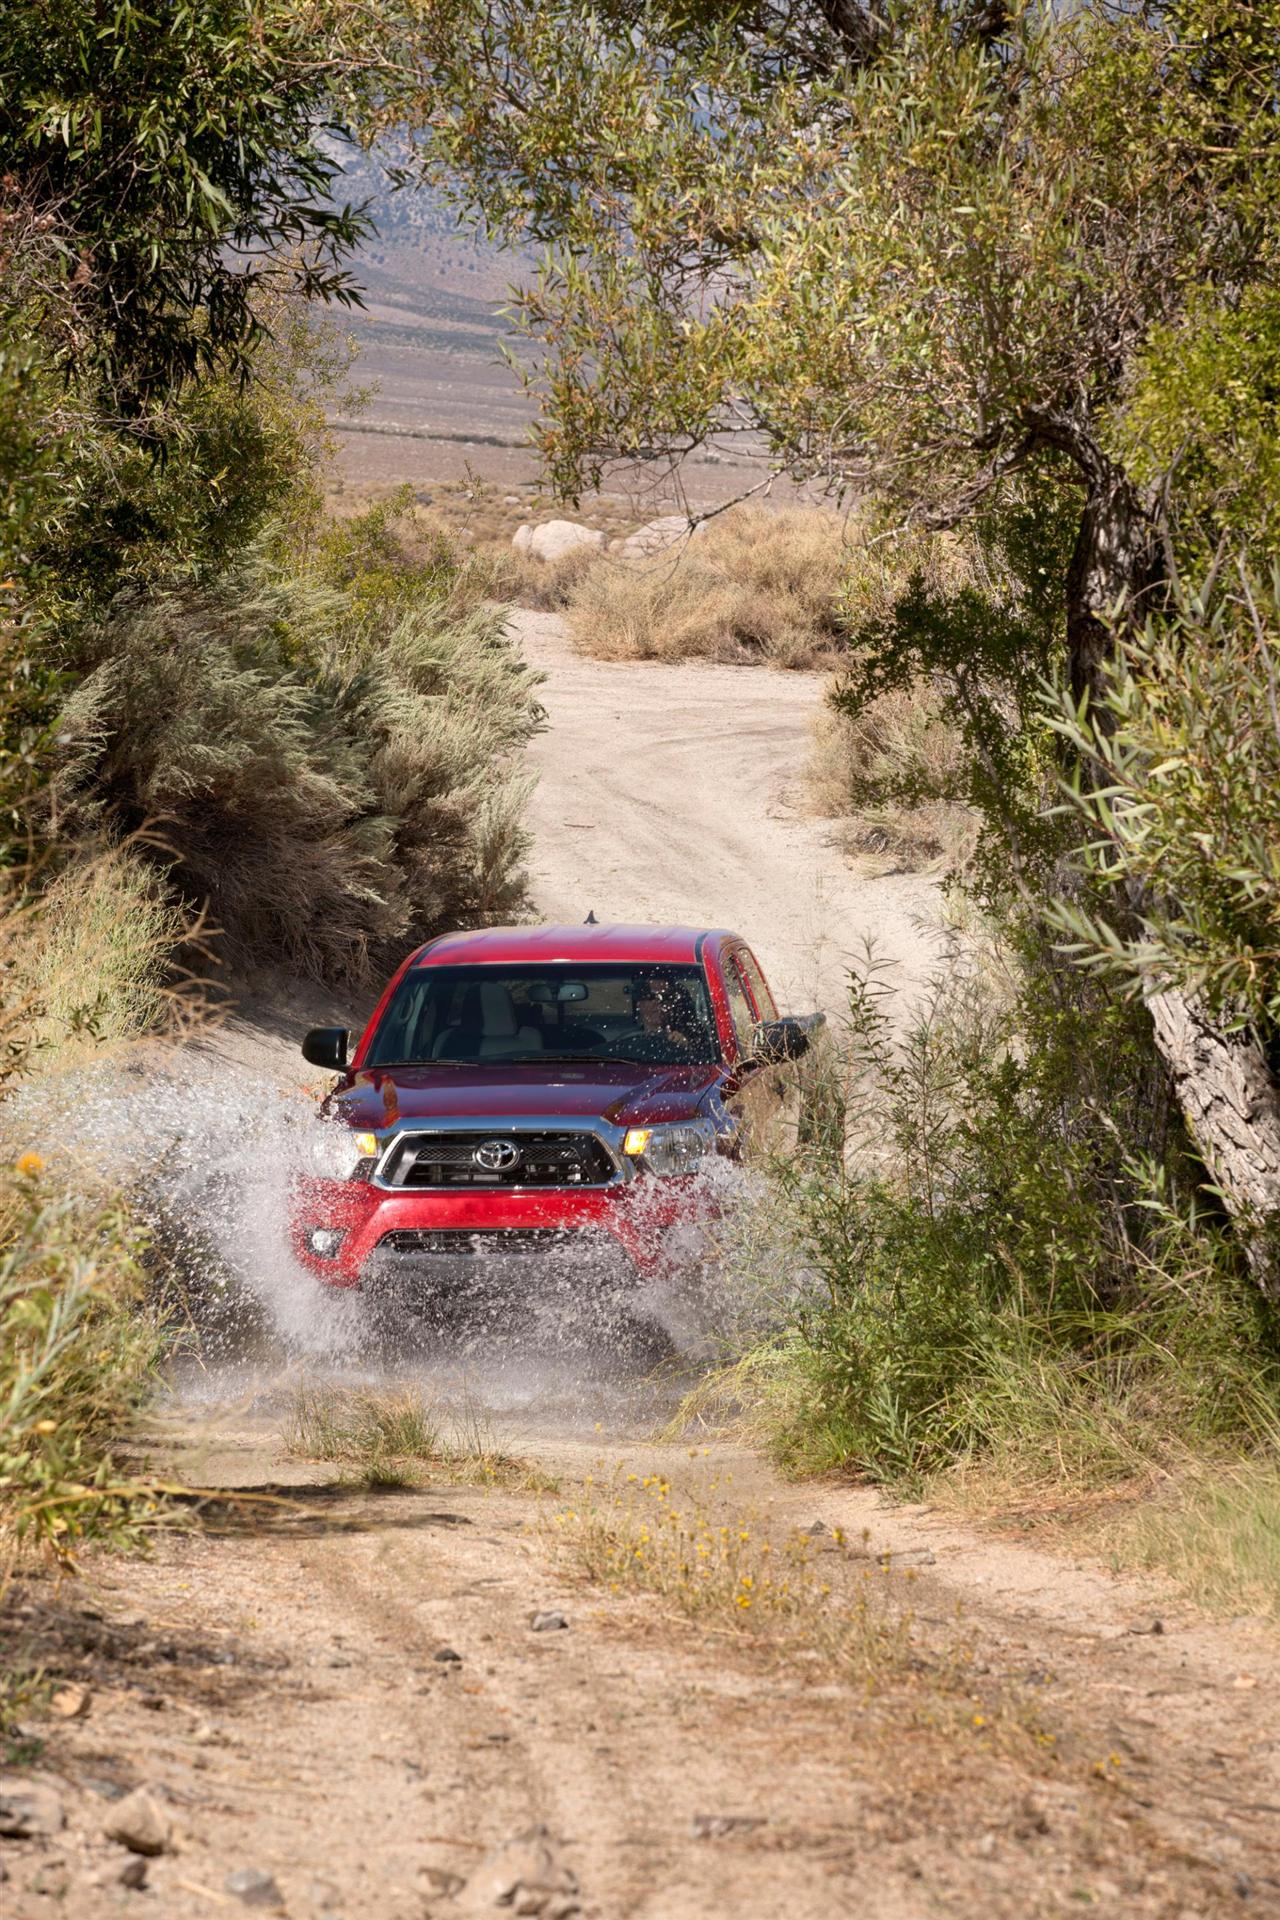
[176,156]
[929,250]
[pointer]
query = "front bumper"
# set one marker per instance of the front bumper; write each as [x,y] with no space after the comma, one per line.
[644,1228]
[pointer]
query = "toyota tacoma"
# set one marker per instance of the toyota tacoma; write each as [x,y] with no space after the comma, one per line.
[541,1091]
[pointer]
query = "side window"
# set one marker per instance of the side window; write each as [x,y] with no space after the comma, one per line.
[766,1005]
[740,1010]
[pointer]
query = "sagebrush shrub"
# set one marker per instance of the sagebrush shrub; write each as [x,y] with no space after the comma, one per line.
[332,772]
[751,585]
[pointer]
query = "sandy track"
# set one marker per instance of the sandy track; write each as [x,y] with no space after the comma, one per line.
[675,794]
[279,1686]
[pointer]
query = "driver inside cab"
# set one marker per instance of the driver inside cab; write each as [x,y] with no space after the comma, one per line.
[667,1026]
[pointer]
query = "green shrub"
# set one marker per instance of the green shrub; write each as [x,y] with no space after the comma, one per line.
[1010,1258]
[77,1350]
[332,767]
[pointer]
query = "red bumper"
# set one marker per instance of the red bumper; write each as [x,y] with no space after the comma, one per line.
[645,1217]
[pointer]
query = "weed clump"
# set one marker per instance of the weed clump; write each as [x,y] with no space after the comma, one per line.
[819,1600]
[393,1437]
[78,1349]
[889,776]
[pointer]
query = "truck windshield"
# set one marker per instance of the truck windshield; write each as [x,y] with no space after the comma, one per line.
[479,1014]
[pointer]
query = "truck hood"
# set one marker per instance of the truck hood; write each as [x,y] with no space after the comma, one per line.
[621,1091]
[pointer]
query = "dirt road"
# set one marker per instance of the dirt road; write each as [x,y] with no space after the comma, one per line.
[352,1699]
[340,1704]
[675,793]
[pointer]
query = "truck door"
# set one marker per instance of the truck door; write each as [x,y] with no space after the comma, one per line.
[759,1091]
[784,1095]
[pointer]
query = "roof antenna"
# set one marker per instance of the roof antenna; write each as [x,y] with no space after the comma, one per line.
[591,920]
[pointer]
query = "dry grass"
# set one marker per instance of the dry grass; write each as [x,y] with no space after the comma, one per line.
[549,585]
[631,1534]
[393,1437]
[753,586]
[1215,1533]
[1210,1527]
[96,966]
[902,739]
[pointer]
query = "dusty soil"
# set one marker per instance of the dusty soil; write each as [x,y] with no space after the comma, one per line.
[676,794]
[1025,1742]
[276,1681]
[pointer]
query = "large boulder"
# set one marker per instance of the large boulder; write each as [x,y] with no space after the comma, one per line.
[655,537]
[554,538]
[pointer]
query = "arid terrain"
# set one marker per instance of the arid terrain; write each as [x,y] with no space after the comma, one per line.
[495,1688]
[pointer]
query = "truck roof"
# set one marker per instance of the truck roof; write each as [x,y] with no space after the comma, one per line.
[603,942]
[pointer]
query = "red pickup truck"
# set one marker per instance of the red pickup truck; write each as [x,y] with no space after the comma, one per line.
[541,1091]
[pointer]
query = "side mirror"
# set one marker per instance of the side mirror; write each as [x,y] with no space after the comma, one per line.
[779,1040]
[326,1047]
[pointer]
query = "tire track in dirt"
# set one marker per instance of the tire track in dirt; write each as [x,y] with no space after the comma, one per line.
[332,1748]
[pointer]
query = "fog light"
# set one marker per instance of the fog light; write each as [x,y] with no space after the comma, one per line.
[325,1241]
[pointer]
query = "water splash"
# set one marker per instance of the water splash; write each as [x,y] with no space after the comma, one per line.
[207,1151]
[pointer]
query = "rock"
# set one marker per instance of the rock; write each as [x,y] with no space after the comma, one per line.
[438,1883]
[715,1826]
[549,1622]
[447,1657]
[254,1887]
[52,1880]
[655,537]
[1031,1818]
[140,1822]
[524,1877]
[29,1808]
[555,538]
[133,1874]
[72,1701]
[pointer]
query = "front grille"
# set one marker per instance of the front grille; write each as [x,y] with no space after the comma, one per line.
[541,1160]
[460,1243]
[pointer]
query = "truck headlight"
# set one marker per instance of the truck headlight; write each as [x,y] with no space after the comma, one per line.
[679,1148]
[337,1151]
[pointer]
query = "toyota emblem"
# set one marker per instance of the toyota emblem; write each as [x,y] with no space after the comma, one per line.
[497,1156]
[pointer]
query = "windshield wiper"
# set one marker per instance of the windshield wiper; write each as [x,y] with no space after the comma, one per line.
[559,1059]
[390,1066]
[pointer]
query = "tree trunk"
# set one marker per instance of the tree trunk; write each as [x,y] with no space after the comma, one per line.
[1115,565]
[1231,1105]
